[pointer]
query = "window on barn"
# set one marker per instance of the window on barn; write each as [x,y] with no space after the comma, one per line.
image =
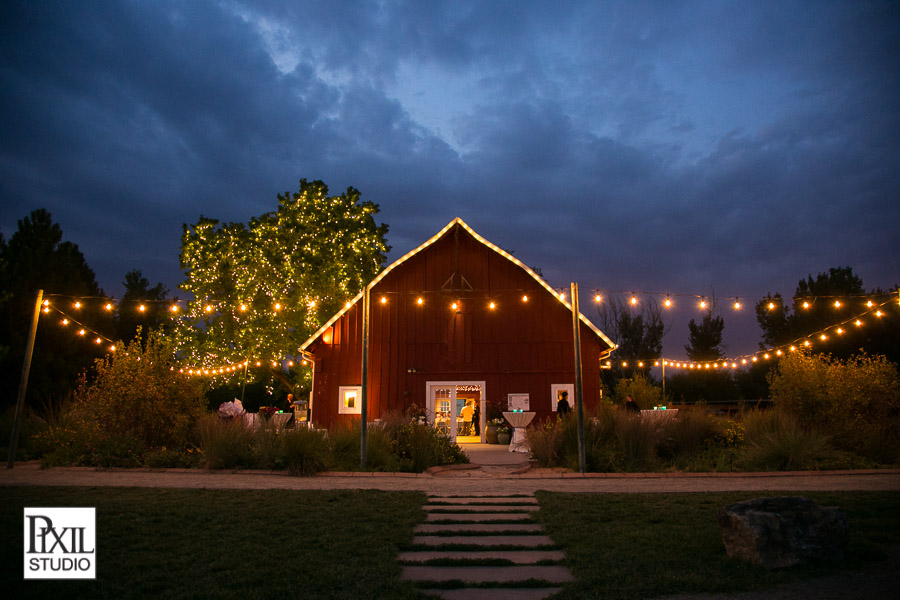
[349,398]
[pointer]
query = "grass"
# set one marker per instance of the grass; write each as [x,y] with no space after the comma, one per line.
[649,545]
[226,543]
[343,544]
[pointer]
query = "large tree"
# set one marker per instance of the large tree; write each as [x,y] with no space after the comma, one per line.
[36,258]
[141,306]
[705,340]
[260,289]
[821,303]
[638,332]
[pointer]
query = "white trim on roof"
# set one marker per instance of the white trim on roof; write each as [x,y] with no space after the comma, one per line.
[428,243]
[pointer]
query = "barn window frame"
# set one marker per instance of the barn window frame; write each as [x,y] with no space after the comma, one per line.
[345,392]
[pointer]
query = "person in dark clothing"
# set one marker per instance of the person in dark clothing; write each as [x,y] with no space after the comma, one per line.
[476,419]
[562,406]
[631,405]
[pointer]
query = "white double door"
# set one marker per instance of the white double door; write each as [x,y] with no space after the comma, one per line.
[442,409]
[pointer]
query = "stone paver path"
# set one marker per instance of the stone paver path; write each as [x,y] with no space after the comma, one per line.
[462,543]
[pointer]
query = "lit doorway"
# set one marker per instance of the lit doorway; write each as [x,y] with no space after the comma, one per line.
[457,408]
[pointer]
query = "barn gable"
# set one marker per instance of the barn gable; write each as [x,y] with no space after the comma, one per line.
[455,309]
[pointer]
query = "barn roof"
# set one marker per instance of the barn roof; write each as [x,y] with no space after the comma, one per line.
[435,238]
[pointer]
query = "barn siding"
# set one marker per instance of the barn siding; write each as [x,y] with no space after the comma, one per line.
[520,347]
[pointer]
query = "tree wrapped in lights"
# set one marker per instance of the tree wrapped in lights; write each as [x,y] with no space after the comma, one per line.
[260,289]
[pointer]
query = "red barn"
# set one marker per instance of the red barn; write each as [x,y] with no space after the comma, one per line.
[455,322]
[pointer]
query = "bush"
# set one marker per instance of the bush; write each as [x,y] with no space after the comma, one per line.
[138,392]
[644,393]
[304,451]
[637,439]
[854,401]
[225,443]
[690,431]
[776,441]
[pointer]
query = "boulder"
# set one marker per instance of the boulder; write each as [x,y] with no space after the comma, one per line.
[783,532]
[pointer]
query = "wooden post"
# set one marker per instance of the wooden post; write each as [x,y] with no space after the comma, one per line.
[364,385]
[579,411]
[23,382]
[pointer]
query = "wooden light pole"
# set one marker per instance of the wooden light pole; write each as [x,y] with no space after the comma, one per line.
[23,382]
[576,337]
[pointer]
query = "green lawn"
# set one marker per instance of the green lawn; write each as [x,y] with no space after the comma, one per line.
[165,543]
[342,544]
[647,545]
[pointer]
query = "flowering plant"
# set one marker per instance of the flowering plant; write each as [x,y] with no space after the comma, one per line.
[500,424]
[231,409]
[267,411]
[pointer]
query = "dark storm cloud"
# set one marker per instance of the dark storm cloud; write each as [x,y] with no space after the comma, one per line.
[629,146]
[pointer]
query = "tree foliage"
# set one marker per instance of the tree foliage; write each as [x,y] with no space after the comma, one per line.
[705,340]
[638,332]
[856,400]
[821,302]
[261,288]
[36,258]
[141,307]
[139,391]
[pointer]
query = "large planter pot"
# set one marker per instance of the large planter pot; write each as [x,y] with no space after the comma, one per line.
[490,434]
[503,438]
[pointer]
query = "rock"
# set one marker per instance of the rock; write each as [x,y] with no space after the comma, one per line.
[783,532]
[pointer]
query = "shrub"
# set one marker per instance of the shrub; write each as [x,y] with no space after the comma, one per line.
[776,441]
[225,443]
[545,442]
[304,451]
[137,391]
[420,446]
[855,400]
[637,439]
[644,393]
[165,458]
[690,431]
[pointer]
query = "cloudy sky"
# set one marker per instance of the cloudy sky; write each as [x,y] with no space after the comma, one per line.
[672,147]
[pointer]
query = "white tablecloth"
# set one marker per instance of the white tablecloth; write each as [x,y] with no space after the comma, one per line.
[519,420]
[278,420]
[659,415]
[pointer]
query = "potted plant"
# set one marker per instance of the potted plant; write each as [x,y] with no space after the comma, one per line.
[503,435]
[493,429]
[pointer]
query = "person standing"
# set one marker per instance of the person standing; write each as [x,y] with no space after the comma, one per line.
[631,405]
[562,405]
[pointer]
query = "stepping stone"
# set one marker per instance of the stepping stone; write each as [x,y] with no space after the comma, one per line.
[494,593]
[521,557]
[554,574]
[482,500]
[477,527]
[479,507]
[525,541]
[478,517]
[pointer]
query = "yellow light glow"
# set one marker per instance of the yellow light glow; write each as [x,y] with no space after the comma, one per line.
[640,363]
[743,361]
[525,298]
[45,310]
[840,331]
[78,305]
[837,303]
[492,305]
[108,306]
[633,301]
[98,341]
[454,306]
[754,359]
[598,298]
[806,305]
[347,304]
[766,356]
[624,363]
[771,306]
[81,332]
[562,296]
[420,301]
[668,302]
[823,337]
[703,304]
[312,304]
[174,308]
[870,304]
[806,343]
[858,323]
[46,303]
[793,348]
[243,307]
[65,321]
[779,353]
[112,348]
[737,305]
[209,308]
[878,313]
[384,299]
[142,308]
